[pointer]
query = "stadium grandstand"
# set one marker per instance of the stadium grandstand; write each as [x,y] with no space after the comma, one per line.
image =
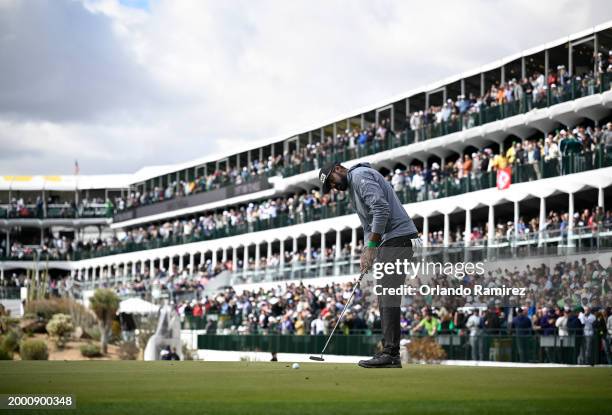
[512,161]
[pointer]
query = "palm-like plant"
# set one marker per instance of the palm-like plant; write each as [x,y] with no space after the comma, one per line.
[104,303]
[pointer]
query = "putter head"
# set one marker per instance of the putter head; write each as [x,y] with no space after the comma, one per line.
[317,358]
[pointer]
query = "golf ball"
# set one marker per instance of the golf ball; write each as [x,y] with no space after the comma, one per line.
[295,366]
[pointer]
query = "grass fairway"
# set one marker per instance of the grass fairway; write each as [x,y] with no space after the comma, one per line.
[155,388]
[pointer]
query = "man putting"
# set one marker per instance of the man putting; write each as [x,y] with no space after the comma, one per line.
[389,234]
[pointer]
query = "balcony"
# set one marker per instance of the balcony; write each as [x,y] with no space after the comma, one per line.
[429,191]
[546,243]
[575,88]
[224,192]
[55,211]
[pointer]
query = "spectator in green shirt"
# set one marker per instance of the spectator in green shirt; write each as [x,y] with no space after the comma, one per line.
[429,323]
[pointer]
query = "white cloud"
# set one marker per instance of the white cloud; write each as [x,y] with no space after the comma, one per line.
[121,87]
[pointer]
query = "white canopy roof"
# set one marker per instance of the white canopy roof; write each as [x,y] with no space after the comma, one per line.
[65,183]
[137,305]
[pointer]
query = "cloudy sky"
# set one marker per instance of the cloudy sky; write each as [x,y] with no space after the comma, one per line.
[122,84]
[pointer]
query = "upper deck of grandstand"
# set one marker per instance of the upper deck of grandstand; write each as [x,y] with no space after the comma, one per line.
[552,73]
[559,71]
[59,198]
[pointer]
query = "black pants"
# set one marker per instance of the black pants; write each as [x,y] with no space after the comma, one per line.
[389,305]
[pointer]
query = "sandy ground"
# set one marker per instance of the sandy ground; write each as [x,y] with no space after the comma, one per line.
[72,350]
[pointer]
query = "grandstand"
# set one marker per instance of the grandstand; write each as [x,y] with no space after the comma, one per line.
[254,218]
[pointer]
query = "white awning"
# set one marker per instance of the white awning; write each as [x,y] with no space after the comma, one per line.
[137,305]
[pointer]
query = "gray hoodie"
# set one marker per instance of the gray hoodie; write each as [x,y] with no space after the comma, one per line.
[377,205]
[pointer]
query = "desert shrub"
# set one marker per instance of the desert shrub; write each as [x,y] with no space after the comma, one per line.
[426,350]
[5,354]
[7,323]
[188,353]
[46,309]
[91,350]
[82,316]
[10,341]
[128,351]
[33,350]
[60,328]
[92,333]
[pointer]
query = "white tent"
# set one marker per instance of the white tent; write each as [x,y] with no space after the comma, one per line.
[137,306]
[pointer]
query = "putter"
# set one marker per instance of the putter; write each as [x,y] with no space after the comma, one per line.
[320,358]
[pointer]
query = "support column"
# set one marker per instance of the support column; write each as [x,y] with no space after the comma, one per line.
[353,241]
[282,253]
[600,198]
[491,226]
[542,221]
[214,258]
[133,269]
[446,240]
[181,262]
[338,252]
[8,242]
[308,248]
[467,237]
[269,251]
[234,259]
[570,220]
[151,268]
[425,231]
[257,255]
[245,257]
[323,255]
[295,245]
[516,220]
[191,263]
[202,259]
[224,255]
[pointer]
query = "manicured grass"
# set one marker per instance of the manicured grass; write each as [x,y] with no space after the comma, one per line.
[155,388]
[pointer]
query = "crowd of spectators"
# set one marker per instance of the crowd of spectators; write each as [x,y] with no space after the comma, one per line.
[556,225]
[529,157]
[521,95]
[60,286]
[419,182]
[563,298]
[18,207]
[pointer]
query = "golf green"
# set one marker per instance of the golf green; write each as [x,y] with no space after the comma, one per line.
[192,387]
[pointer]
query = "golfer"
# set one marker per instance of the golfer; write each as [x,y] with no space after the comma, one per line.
[389,234]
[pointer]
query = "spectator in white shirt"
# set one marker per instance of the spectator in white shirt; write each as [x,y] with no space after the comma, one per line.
[587,319]
[473,325]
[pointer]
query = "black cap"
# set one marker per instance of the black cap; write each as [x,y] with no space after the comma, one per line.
[324,174]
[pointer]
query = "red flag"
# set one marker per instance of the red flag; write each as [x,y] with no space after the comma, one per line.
[504,178]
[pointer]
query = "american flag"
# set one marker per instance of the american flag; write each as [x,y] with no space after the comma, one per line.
[76,167]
